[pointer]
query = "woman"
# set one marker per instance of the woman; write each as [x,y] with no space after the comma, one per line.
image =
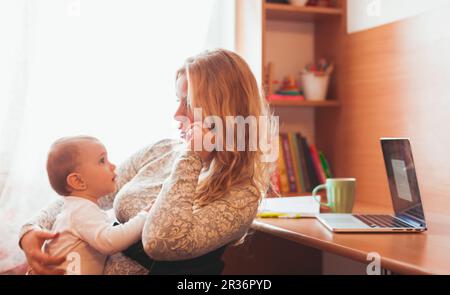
[202,200]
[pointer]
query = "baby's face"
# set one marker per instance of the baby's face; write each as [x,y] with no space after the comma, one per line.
[95,169]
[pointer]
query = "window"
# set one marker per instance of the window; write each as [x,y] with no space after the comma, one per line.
[105,68]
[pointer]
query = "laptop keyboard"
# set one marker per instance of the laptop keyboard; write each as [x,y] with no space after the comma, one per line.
[385,221]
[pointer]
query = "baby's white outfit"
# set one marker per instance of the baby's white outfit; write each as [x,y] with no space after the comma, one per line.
[87,236]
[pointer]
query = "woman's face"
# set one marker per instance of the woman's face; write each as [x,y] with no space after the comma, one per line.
[184,113]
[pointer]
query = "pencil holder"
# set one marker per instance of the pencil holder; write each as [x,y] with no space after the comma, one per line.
[315,86]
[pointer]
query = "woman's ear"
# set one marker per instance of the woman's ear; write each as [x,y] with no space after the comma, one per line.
[76,182]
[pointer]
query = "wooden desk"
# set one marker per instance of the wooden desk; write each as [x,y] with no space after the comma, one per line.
[421,253]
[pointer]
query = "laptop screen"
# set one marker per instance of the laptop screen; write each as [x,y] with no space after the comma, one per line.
[402,178]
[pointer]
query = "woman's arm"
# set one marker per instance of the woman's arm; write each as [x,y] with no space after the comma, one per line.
[43,220]
[175,231]
[33,235]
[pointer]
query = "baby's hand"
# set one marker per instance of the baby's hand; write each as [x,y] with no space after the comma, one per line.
[149,206]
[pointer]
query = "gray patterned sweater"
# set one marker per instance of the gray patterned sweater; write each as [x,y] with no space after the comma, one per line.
[176,229]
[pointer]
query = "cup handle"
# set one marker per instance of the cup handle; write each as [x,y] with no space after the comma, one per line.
[314,193]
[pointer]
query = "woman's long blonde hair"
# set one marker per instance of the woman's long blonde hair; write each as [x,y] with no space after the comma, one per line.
[221,84]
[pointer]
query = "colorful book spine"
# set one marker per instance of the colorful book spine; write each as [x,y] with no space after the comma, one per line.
[325,166]
[295,160]
[317,164]
[304,166]
[300,166]
[281,97]
[301,160]
[289,163]
[284,183]
[313,182]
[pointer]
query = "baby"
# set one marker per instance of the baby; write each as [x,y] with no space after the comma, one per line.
[78,169]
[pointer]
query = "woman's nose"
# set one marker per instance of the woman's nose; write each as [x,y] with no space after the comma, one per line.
[179,114]
[113,167]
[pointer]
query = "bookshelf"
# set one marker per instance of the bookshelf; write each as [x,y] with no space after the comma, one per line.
[305,104]
[296,13]
[289,37]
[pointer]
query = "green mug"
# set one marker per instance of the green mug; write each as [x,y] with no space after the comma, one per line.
[340,194]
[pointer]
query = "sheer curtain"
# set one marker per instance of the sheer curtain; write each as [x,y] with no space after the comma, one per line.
[100,67]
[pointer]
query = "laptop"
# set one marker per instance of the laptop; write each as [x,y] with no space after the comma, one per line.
[409,214]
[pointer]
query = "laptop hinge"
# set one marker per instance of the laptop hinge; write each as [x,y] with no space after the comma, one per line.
[411,220]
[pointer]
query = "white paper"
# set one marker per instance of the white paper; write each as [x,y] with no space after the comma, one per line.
[305,206]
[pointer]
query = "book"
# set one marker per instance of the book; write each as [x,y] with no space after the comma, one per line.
[284,183]
[295,161]
[303,206]
[317,164]
[313,181]
[281,97]
[306,177]
[325,166]
[288,162]
[300,158]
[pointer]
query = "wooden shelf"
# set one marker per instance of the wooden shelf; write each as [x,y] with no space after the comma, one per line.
[300,13]
[305,103]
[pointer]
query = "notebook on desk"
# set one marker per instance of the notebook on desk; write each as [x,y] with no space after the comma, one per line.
[303,206]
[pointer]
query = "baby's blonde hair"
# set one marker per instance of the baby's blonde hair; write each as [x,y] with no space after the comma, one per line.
[63,159]
[221,84]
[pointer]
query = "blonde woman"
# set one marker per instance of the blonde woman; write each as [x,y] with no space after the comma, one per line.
[203,199]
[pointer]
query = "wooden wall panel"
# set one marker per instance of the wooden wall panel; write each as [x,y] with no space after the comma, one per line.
[393,81]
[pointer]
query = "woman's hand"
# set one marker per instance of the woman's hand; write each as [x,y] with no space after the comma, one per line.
[40,262]
[196,134]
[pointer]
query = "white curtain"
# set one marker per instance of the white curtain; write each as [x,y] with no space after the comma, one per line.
[100,67]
